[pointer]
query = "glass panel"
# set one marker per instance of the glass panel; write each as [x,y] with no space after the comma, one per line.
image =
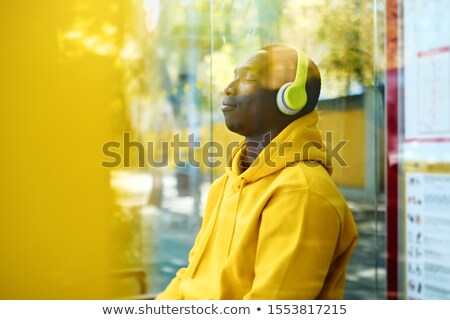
[167,96]
[340,37]
[60,102]
[144,79]
[177,58]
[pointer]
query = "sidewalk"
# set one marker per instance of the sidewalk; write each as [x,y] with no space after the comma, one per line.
[366,273]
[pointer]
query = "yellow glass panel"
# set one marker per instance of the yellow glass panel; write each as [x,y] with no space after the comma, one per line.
[58,93]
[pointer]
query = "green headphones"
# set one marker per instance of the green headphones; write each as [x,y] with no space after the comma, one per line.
[292,97]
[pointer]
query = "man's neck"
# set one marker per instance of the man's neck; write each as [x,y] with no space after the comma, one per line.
[254,146]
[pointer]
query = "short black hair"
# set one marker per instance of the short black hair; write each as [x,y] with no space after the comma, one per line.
[313,86]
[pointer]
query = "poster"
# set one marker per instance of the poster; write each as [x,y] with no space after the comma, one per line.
[426,70]
[427,232]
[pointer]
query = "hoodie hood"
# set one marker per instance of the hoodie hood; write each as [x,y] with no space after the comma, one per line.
[299,141]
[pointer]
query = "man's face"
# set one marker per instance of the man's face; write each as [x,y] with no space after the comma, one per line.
[248,106]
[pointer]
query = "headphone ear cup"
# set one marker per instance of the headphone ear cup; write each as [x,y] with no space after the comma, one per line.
[281,101]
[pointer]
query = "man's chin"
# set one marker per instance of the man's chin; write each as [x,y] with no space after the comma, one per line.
[233,126]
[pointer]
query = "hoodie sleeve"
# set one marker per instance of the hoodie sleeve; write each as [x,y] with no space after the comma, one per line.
[172,291]
[297,240]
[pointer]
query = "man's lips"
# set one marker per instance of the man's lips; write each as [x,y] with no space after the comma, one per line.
[228,105]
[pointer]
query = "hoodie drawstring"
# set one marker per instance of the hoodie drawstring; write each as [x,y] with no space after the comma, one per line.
[235,213]
[207,235]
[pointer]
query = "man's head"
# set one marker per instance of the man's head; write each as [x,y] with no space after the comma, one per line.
[250,107]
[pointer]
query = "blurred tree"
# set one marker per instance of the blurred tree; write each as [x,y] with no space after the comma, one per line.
[244,22]
[346,28]
[269,16]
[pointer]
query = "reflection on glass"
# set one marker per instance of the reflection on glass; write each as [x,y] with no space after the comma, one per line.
[177,56]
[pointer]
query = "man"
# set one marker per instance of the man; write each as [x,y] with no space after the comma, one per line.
[275,224]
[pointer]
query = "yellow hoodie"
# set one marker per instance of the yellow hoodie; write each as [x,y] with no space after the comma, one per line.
[279,230]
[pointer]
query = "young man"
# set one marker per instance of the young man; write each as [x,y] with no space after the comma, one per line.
[275,225]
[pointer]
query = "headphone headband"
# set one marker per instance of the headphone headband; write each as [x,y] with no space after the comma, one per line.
[292,96]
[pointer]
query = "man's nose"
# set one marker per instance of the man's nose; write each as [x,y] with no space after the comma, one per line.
[230,89]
